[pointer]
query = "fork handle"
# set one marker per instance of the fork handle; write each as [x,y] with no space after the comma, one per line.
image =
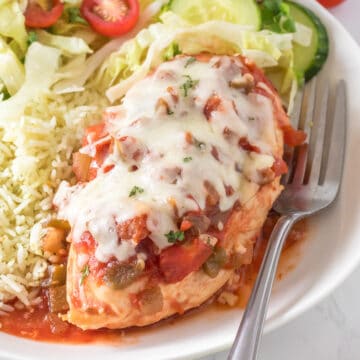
[246,344]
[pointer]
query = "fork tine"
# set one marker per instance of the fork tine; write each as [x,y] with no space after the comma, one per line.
[306,116]
[308,107]
[317,139]
[294,119]
[296,113]
[301,161]
[302,199]
[334,162]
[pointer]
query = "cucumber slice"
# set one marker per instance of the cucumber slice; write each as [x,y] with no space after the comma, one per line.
[309,60]
[243,12]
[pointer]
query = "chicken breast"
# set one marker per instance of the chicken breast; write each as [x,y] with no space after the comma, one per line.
[173,190]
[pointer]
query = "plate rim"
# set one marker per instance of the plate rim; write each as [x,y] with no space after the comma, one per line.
[296,310]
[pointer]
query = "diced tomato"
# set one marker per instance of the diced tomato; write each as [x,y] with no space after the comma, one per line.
[185,225]
[36,16]
[178,261]
[134,229]
[94,133]
[108,168]
[245,144]
[111,17]
[212,104]
[81,166]
[293,137]
[279,167]
[86,243]
[102,148]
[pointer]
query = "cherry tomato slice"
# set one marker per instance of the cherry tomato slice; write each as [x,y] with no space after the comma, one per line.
[330,3]
[37,17]
[111,17]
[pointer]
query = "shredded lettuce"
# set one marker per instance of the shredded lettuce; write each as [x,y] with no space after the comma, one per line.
[12,23]
[89,67]
[11,70]
[148,49]
[69,45]
[172,51]
[41,65]
[114,66]
[64,27]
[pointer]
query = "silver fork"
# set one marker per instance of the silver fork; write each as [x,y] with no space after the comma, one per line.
[312,184]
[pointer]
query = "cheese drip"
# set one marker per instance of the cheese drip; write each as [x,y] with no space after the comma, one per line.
[167,130]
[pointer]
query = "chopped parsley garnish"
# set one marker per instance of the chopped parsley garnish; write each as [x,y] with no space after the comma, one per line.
[136,190]
[84,273]
[75,17]
[174,236]
[32,37]
[189,61]
[187,159]
[188,84]
[172,51]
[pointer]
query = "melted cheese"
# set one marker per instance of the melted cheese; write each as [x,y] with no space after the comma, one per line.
[151,130]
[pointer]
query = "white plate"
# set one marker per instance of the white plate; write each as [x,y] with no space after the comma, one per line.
[330,256]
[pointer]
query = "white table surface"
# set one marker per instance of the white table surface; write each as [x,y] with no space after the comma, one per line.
[331,330]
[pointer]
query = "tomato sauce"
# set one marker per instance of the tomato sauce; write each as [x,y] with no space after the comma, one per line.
[39,324]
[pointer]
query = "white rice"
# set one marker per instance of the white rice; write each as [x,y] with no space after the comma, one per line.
[31,167]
